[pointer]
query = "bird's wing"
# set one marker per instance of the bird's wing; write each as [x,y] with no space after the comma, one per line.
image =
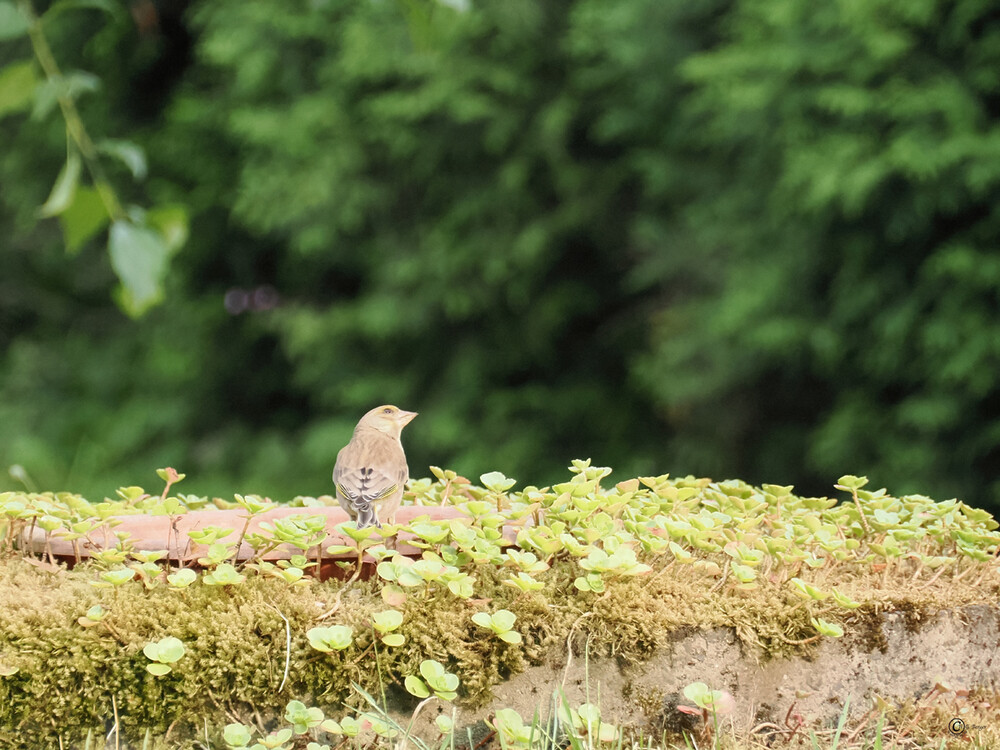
[369,468]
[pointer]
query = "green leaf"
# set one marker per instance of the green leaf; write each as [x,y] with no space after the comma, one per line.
[83,218]
[387,620]
[65,188]
[845,601]
[428,570]
[589,713]
[70,85]
[254,504]
[850,482]
[430,532]
[119,576]
[182,578]
[504,619]
[497,482]
[130,493]
[164,474]
[432,670]
[831,629]
[157,669]
[394,639]
[218,552]
[393,595]
[331,726]
[510,724]
[12,22]
[744,573]
[483,620]
[128,153]
[447,683]
[301,717]
[350,726]
[237,735]
[49,523]
[291,576]
[274,740]
[524,582]
[511,636]
[166,650]
[358,535]
[415,686]
[340,549]
[460,584]
[139,258]
[444,723]
[700,694]
[209,534]
[17,86]
[807,591]
[170,649]
[607,733]
[335,637]
[172,223]
[223,575]
[96,613]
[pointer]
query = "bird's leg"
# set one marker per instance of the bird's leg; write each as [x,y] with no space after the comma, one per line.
[390,542]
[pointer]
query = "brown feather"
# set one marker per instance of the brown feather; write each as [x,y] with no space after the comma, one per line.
[371,469]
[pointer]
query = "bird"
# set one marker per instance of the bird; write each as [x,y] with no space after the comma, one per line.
[371,469]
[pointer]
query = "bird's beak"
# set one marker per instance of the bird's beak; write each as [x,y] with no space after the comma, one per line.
[405,417]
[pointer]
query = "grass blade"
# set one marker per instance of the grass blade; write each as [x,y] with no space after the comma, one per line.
[841,723]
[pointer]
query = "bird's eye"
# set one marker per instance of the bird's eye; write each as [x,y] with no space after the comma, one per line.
[387,411]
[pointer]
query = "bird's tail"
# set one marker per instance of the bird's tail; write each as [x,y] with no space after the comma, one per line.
[367,517]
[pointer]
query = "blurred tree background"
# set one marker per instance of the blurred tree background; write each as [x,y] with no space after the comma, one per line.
[753,238]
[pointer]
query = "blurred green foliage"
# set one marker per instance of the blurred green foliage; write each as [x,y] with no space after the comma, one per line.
[749,238]
[140,242]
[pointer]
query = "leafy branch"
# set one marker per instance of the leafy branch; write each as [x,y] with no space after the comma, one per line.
[62,193]
[140,242]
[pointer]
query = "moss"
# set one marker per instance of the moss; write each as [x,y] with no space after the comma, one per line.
[914,615]
[80,676]
[866,629]
[672,724]
[650,704]
[74,679]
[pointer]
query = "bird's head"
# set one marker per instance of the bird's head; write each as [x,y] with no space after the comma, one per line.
[388,419]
